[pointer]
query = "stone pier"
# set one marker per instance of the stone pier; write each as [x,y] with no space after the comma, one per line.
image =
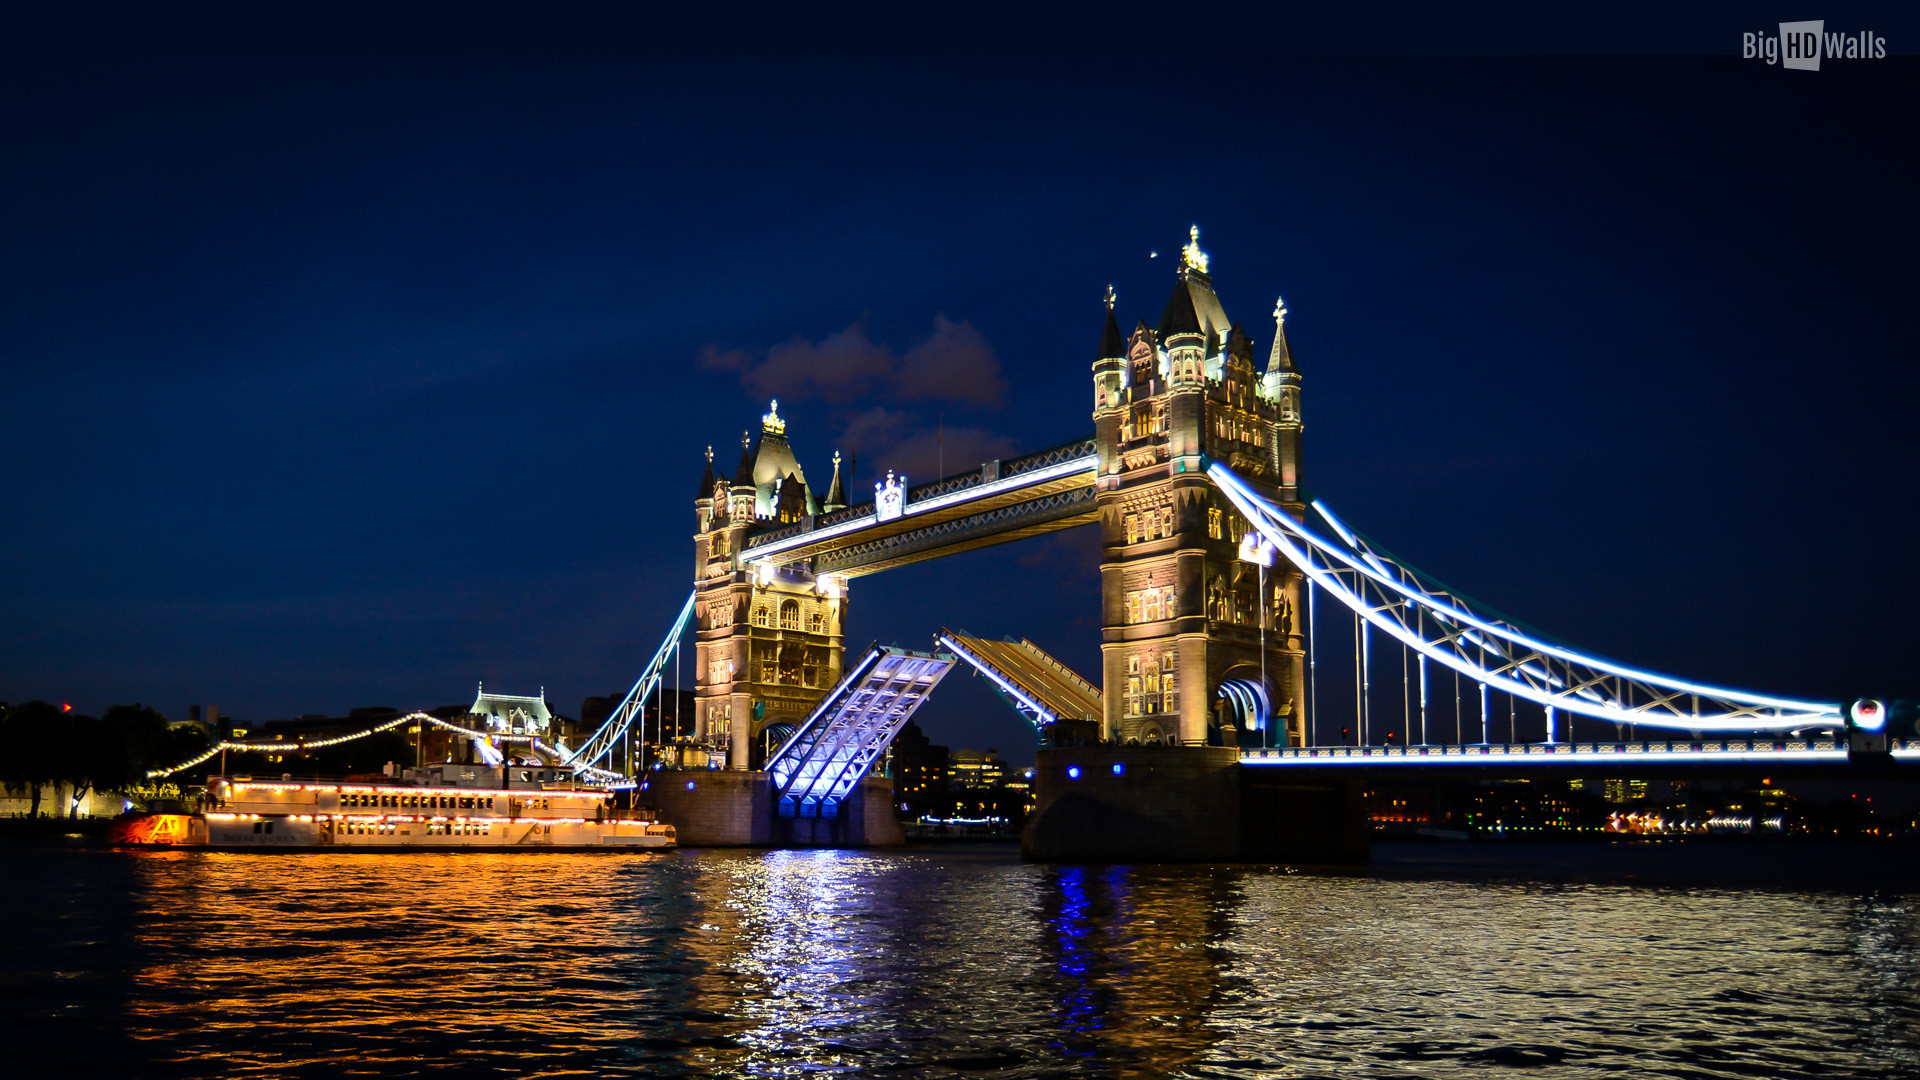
[1186,804]
[726,808]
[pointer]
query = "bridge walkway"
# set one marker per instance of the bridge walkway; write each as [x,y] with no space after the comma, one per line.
[848,731]
[1041,688]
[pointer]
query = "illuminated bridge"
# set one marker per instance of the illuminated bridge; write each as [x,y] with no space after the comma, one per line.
[1256,652]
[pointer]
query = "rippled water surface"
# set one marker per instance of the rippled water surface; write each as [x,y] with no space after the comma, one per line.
[928,963]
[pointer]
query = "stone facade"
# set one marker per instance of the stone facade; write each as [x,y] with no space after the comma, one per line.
[768,644]
[1182,612]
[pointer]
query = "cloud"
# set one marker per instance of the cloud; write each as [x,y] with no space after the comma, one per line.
[953,363]
[906,443]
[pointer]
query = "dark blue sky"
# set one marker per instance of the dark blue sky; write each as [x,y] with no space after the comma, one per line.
[334,382]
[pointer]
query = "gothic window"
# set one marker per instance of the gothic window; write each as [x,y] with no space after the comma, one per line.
[790,615]
[1133,695]
[1167,684]
[1133,528]
[760,617]
[1133,665]
[1153,605]
[817,623]
[1166,521]
[1166,602]
[1133,607]
[1213,522]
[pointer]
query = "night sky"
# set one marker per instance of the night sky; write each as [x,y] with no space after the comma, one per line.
[341,382]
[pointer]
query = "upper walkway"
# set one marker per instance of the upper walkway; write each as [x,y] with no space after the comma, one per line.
[997,502]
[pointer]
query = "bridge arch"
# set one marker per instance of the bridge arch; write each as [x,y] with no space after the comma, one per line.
[1246,704]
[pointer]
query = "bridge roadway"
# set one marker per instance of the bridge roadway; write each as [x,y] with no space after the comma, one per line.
[1826,755]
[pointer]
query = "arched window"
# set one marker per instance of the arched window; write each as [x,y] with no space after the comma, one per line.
[790,615]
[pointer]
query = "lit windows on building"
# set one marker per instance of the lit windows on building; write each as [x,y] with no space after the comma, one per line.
[760,616]
[790,615]
[1168,688]
[1150,605]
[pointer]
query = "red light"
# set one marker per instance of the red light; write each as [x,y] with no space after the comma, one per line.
[66,708]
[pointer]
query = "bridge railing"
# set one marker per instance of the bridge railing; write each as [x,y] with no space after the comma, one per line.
[1582,753]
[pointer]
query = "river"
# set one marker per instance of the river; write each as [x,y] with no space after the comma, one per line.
[956,961]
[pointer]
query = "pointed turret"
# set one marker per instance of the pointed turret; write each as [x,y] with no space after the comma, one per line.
[836,491]
[706,480]
[1180,316]
[1280,360]
[743,476]
[1112,345]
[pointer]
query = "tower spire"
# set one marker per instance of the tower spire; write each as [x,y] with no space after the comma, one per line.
[1281,358]
[836,491]
[706,478]
[1112,345]
[743,476]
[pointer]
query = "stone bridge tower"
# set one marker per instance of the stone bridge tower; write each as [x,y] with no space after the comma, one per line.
[1184,616]
[770,643]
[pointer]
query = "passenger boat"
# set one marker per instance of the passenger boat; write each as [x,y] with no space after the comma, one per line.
[440,807]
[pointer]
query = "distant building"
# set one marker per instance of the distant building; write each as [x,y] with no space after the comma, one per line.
[920,774]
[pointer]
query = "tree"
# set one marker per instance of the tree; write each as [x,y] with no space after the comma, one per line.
[114,752]
[29,753]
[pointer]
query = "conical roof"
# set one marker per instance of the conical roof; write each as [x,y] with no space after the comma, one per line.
[706,478]
[1112,345]
[1194,309]
[743,476]
[1281,358]
[1180,316]
[836,492]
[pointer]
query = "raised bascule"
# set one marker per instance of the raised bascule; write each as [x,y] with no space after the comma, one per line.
[1202,738]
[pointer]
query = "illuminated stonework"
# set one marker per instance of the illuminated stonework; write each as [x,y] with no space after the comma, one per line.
[1184,615]
[769,640]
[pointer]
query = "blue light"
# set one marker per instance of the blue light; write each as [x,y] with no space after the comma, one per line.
[1073,772]
[1119,769]
[689,785]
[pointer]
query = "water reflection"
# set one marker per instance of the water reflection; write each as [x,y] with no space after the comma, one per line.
[930,964]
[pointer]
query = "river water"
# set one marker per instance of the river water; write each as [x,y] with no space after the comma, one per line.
[941,962]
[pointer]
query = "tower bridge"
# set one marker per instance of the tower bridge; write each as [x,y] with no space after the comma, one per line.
[1215,568]
[1233,608]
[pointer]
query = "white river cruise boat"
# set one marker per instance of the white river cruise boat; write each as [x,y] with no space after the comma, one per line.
[439,807]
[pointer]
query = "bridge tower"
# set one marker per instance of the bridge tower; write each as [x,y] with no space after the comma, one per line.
[768,643]
[1183,614]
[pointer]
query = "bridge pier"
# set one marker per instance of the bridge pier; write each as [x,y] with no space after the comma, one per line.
[1187,804]
[728,808]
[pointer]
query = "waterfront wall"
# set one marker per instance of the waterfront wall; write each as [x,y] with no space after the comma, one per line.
[727,808]
[1186,804]
[56,800]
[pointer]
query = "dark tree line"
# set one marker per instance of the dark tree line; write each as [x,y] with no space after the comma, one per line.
[42,745]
